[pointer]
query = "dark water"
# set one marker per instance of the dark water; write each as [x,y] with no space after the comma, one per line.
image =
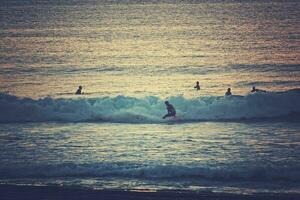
[208,156]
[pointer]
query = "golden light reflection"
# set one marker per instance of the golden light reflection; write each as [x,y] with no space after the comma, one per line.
[114,51]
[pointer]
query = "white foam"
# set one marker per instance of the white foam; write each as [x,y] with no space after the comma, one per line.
[149,109]
[224,173]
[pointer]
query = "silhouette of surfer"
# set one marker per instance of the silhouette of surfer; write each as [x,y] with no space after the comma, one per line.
[197,86]
[257,90]
[170,109]
[79,90]
[228,93]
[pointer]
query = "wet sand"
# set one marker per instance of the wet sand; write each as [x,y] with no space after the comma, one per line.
[11,192]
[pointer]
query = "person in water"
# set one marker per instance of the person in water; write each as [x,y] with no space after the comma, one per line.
[79,90]
[171,110]
[228,93]
[257,90]
[197,86]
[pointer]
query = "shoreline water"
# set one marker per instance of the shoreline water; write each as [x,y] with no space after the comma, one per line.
[9,192]
[218,157]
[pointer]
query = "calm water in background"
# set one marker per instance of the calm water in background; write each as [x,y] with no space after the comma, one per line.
[51,47]
[159,50]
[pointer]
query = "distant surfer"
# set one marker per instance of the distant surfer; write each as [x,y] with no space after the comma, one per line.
[257,90]
[228,93]
[79,90]
[170,109]
[197,86]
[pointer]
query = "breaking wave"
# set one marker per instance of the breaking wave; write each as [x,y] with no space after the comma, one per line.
[150,109]
[224,173]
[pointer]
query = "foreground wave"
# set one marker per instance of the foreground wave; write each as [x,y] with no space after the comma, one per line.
[126,170]
[150,109]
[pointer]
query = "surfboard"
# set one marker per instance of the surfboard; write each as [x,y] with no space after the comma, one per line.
[172,119]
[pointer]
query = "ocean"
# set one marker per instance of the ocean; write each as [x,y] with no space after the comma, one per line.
[131,56]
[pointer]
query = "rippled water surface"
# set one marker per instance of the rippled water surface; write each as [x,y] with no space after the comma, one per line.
[230,157]
[51,47]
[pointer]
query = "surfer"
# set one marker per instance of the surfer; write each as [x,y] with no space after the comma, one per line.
[171,110]
[197,86]
[79,90]
[257,90]
[228,93]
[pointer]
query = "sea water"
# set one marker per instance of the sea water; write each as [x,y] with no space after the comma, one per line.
[209,156]
[145,48]
[131,56]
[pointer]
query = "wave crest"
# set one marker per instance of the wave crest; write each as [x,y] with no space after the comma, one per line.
[150,109]
[225,173]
